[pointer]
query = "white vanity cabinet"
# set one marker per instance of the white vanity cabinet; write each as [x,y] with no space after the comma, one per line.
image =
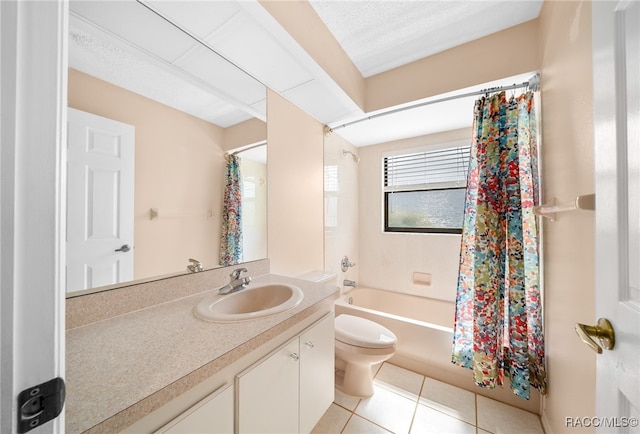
[212,415]
[317,373]
[290,389]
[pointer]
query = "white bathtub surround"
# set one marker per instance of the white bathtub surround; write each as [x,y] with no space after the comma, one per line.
[409,402]
[438,313]
[421,279]
[424,328]
[340,207]
[388,260]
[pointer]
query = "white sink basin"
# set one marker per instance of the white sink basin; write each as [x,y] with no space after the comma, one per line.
[252,302]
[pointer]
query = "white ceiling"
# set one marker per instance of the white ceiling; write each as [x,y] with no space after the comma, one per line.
[380,35]
[127,44]
[231,49]
[215,59]
[120,66]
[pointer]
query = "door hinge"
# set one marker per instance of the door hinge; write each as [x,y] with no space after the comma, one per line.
[40,404]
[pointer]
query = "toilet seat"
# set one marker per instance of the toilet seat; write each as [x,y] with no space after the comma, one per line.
[361,332]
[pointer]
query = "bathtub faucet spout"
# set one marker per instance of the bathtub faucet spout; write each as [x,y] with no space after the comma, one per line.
[347,282]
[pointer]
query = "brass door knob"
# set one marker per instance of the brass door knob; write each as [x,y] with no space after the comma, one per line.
[603,331]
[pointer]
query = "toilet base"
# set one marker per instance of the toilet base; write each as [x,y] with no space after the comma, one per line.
[355,380]
[360,344]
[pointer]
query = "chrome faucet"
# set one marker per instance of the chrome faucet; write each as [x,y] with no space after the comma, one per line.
[195,266]
[347,282]
[236,283]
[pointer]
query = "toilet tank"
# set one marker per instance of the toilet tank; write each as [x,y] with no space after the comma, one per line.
[320,276]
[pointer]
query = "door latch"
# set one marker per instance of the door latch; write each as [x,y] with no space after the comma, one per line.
[40,404]
[125,248]
[603,331]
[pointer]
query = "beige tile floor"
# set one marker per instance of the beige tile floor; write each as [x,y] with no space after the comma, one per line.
[407,402]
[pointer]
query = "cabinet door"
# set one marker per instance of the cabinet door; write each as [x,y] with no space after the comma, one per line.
[316,372]
[268,393]
[212,415]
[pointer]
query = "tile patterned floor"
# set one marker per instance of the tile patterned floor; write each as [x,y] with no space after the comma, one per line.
[407,402]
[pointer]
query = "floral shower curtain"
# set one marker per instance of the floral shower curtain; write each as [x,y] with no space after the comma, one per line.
[498,325]
[231,237]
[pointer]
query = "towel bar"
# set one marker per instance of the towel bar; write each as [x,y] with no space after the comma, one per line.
[551,208]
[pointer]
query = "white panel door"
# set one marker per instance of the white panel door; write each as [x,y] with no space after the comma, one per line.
[616,67]
[100,173]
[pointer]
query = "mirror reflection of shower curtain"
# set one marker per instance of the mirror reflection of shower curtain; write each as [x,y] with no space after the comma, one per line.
[231,236]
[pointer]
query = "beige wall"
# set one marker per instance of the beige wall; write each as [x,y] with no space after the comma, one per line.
[179,170]
[567,161]
[245,133]
[295,189]
[503,54]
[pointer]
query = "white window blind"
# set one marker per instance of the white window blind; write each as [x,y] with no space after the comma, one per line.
[427,170]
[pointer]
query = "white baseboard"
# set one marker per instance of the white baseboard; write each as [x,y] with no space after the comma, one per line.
[545,423]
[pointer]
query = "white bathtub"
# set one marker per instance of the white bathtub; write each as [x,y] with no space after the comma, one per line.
[424,326]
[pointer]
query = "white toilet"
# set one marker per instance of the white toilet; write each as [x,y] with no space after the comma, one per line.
[360,344]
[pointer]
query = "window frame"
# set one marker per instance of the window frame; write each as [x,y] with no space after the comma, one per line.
[417,230]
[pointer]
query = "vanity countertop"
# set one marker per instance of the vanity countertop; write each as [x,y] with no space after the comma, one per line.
[122,368]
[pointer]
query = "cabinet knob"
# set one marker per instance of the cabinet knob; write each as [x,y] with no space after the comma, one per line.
[309,344]
[294,356]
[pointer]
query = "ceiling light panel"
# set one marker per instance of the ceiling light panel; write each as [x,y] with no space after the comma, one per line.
[95,57]
[200,18]
[136,24]
[312,98]
[263,57]
[214,86]
[261,107]
[212,68]
[228,117]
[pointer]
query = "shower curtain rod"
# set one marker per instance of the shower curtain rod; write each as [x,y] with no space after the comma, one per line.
[257,145]
[533,83]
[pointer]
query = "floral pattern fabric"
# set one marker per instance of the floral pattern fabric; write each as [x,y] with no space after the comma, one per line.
[231,237]
[498,325]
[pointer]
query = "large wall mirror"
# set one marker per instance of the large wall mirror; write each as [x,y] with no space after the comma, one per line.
[154,113]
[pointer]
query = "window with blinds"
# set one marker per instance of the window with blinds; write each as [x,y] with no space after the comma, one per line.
[424,191]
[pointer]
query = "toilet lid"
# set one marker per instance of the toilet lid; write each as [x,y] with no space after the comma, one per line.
[361,332]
